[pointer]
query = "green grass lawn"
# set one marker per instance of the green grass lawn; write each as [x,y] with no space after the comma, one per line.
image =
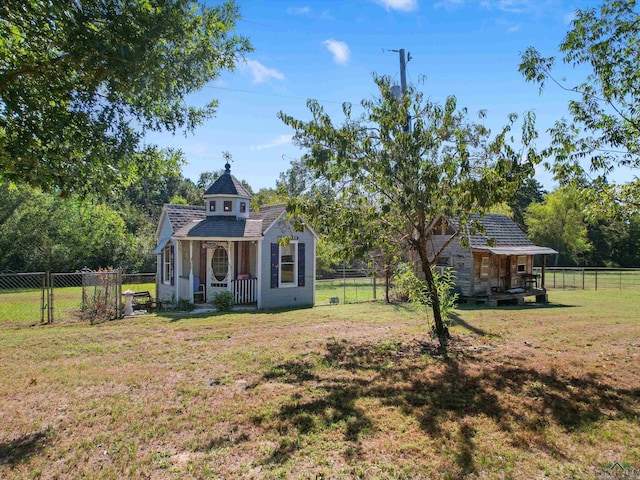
[348,391]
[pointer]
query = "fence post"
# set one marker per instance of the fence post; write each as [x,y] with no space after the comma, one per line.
[344,282]
[119,293]
[374,285]
[50,291]
[43,302]
[583,278]
[596,279]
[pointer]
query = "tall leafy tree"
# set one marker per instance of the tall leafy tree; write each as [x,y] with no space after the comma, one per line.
[615,242]
[80,83]
[530,192]
[47,232]
[559,221]
[604,130]
[391,180]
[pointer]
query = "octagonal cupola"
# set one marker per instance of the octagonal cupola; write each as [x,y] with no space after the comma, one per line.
[226,197]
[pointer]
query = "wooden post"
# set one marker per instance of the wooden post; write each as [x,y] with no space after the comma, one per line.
[544,261]
[489,276]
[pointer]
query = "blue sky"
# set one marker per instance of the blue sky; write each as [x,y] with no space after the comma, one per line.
[328,50]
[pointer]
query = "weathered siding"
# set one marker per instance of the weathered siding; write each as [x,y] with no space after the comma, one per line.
[459,259]
[287,296]
[503,270]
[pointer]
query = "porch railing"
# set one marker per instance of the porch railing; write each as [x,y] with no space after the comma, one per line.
[245,292]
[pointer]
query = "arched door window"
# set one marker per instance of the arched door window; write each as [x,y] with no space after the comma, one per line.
[220,263]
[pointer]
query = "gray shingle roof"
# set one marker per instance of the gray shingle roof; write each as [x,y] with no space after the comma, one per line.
[191,221]
[267,214]
[179,215]
[502,231]
[221,227]
[227,184]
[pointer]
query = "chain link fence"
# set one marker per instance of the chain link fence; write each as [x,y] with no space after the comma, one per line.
[23,298]
[85,296]
[348,286]
[39,298]
[592,278]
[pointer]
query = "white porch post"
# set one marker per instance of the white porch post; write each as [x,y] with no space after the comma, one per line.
[490,274]
[259,273]
[178,265]
[231,260]
[191,270]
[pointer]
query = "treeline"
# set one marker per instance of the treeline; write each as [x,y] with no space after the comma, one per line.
[50,231]
[42,231]
[580,235]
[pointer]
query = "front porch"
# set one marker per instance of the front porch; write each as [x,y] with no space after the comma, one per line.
[208,267]
[245,292]
[505,276]
[515,296]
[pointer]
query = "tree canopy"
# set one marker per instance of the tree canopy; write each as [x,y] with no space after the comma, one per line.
[389,180]
[81,82]
[558,221]
[604,131]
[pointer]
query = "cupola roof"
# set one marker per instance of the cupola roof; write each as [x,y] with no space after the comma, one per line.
[227,184]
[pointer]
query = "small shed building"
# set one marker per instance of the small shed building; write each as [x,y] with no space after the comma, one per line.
[224,246]
[498,264]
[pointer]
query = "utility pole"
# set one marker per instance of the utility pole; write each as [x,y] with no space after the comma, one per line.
[403,81]
[403,71]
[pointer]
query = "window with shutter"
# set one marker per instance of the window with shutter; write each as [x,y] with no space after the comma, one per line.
[275,260]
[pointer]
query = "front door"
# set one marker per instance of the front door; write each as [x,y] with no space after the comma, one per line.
[218,269]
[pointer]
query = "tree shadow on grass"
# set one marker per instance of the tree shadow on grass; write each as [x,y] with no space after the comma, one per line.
[470,306]
[459,389]
[457,320]
[15,451]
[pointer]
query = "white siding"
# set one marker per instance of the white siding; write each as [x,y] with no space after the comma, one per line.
[290,296]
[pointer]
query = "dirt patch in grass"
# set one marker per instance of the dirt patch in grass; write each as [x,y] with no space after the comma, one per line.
[352,391]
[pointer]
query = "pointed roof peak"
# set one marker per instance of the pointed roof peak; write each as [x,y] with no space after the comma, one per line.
[227,184]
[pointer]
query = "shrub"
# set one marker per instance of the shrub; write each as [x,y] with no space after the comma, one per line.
[408,285]
[184,305]
[223,301]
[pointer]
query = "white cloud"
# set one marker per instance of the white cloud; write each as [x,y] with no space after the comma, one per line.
[402,5]
[339,50]
[260,73]
[310,12]
[299,10]
[516,6]
[449,4]
[276,142]
[196,149]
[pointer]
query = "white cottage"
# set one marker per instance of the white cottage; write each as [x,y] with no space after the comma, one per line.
[224,246]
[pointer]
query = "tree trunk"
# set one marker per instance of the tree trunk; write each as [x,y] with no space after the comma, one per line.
[441,330]
[387,276]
